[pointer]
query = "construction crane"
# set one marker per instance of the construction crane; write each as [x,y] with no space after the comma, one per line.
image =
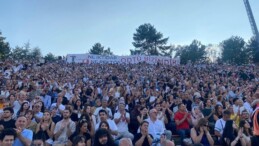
[252,20]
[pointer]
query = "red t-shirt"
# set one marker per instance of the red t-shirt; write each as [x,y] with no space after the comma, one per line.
[185,124]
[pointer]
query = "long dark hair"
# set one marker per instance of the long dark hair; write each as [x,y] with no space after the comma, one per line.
[228,133]
[22,109]
[80,124]
[100,133]
[242,125]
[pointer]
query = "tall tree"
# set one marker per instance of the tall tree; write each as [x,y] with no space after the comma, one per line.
[253,50]
[50,57]
[234,51]
[149,41]
[35,53]
[4,47]
[98,49]
[194,52]
[19,53]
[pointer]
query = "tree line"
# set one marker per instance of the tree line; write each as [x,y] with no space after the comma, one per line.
[148,41]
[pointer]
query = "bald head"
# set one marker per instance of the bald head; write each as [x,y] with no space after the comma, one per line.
[125,142]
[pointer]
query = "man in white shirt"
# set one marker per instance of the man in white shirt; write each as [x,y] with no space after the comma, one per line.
[220,124]
[103,117]
[104,107]
[122,119]
[156,127]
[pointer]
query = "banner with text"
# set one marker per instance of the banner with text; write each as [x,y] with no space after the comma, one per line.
[90,58]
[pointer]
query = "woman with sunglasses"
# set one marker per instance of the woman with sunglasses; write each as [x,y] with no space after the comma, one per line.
[200,133]
[81,130]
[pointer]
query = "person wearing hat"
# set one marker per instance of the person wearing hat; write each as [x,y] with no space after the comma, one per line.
[122,119]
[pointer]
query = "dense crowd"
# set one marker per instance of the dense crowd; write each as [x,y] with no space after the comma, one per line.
[128,104]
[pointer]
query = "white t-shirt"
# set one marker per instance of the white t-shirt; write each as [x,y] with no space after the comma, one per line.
[155,128]
[220,125]
[122,125]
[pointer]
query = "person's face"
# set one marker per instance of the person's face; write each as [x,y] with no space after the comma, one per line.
[103,139]
[145,111]
[8,140]
[66,114]
[103,116]
[121,107]
[23,96]
[144,127]
[88,109]
[81,143]
[21,122]
[158,107]
[104,103]
[220,109]
[153,114]
[7,114]
[78,103]
[25,106]
[38,142]
[182,107]
[208,103]
[28,115]
[245,115]
[37,107]
[46,116]
[226,117]
[84,128]
[104,126]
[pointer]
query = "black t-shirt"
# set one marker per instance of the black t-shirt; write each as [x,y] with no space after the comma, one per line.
[8,124]
[138,136]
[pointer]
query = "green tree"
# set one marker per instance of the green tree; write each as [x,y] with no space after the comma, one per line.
[194,52]
[253,50]
[149,41]
[50,57]
[4,47]
[234,51]
[98,49]
[35,53]
[107,52]
[20,53]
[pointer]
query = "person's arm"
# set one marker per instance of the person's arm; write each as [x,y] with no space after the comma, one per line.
[150,139]
[37,128]
[210,139]
[58,130]
[88,142]
[140,118]
[217,133]
[127,116]
[178,122]
[140,141]
[25,141]
[196,138]
[70,129]
[51,130]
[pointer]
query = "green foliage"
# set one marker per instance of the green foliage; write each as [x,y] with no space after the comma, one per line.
[234,51]
[98,49]
[4,47]
[26,53]
[50,57]
[149,41]
[194,52]
[253,50]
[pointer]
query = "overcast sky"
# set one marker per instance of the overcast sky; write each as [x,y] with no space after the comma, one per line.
[74,26]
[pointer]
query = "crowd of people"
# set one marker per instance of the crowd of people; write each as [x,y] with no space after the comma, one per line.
[76,104]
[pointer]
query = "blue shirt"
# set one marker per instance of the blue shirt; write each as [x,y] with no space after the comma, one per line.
[26,133]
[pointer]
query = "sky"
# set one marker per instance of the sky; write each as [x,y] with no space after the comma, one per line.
[74,26]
